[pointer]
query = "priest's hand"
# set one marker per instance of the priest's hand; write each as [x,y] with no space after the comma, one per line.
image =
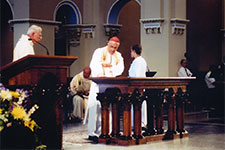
[106,65]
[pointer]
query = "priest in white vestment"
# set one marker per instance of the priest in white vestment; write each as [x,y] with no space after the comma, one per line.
[80,87]
[106,62]
[25,44]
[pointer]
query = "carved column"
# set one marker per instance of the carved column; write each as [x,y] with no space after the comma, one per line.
[180,97]
[159,97]
[104,137]
[171,117]
[149,95]
[126,103]
[110,96]
[137,100]
[114,96]
[126,138]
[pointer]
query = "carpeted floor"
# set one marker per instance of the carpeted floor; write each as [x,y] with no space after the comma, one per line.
[205,135]
[75,133]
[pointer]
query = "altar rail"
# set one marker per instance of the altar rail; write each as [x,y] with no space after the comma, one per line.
[124,92]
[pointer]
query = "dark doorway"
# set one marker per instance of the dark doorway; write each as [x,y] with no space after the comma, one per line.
[66,15]
[130,31]
[6,52]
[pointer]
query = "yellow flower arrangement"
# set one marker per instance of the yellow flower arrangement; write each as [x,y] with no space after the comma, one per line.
[16,94]
[13,112]
[5,95]
[19,113]
[30,124]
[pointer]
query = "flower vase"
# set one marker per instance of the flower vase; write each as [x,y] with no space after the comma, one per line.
[17,137]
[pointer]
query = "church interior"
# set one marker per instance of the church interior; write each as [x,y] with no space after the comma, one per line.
[167,30]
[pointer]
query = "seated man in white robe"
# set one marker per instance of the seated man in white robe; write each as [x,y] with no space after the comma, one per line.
[184,71]
[80,87]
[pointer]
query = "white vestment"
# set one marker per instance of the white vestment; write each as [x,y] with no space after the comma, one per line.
[80,87]
[138,68]
[23,47]
[101,55]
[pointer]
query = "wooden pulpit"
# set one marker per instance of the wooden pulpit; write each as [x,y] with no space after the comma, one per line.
[44,77]
[31,68]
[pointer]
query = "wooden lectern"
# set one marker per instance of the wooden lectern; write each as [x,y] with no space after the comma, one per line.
[28,70]
[44,77]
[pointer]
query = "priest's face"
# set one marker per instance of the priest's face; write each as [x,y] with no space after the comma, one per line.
[36,36]
[112,47]
[86,72]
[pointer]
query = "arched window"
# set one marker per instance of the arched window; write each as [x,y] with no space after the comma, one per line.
[114,11]
[68,13]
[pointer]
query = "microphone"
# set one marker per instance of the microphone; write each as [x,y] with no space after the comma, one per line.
[41,45]
[148,69]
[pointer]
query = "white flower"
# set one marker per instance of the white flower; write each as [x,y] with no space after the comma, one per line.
[5,95]
[32,110]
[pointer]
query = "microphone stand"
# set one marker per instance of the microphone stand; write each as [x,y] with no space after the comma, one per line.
[41,45]
[44,47]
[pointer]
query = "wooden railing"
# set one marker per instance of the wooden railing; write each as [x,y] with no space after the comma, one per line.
[124,92]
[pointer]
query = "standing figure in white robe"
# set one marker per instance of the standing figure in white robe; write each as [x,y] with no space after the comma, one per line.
[25,44]
[138,68]
[106,62]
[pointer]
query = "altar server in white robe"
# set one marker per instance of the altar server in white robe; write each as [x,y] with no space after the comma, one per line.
[138,68]
[106,62]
